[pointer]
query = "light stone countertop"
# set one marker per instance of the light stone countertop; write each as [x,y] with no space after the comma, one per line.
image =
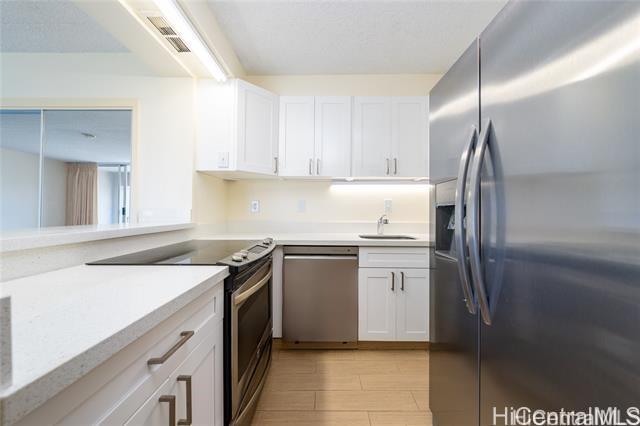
[324,239]
[25,239]
[67,322]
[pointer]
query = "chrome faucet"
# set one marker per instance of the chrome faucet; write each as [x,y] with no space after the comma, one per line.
[383,220]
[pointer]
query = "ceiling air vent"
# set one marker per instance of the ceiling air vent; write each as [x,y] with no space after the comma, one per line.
[168,33]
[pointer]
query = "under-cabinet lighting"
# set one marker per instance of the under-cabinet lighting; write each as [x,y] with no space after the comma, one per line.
[183,27]
[377,186]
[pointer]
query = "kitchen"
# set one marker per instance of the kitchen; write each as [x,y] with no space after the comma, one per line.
[212,215]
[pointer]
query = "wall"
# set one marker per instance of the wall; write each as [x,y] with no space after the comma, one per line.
[348,85]
[308,206]
[209,203]
[54,192]
[18,189]
[162,170]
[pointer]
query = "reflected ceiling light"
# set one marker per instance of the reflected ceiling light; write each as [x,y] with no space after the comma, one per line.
[183,27]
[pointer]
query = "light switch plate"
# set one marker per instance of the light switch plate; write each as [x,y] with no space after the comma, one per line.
[255,206]
[302,206]
[388,206]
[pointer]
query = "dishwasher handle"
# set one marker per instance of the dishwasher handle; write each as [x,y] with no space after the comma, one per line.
[318,257]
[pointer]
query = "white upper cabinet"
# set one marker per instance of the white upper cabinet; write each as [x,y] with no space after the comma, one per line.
[237,128]
[409,146]
[390,136]
[315,136]
[371,136]
[333,136]
[296,142]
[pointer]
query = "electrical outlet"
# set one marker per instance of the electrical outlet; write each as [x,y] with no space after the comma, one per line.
[302,206]
[388,206]
[223,160]
[255,206]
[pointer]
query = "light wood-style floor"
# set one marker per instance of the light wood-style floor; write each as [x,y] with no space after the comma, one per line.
[346,388]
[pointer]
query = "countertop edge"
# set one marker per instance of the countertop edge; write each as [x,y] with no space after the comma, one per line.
[49,238]
[26,399]
[324,240]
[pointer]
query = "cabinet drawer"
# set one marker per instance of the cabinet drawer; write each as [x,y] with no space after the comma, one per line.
[127,379]
[394,257]
[202,368]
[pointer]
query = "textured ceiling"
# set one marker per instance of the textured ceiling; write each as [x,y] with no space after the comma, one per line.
[56,26]
[20,131]
[351,37]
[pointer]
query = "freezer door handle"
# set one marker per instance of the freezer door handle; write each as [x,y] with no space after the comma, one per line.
[473,219]
[459,231]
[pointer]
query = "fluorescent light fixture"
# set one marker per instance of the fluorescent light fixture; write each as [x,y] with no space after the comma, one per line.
[181,24]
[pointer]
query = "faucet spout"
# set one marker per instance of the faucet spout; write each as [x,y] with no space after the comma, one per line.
[383,220]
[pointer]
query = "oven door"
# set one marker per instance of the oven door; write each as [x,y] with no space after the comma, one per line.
[251,331]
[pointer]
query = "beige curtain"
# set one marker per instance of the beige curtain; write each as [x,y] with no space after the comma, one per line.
[82,194]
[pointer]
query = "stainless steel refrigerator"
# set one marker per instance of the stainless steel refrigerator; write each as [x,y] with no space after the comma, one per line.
[535,152]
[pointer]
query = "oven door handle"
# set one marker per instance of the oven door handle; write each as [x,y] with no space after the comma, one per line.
[240,298]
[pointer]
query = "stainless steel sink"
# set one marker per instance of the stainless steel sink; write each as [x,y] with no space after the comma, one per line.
[386,237]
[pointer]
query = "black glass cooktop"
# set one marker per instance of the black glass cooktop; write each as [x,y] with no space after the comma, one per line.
[194,252]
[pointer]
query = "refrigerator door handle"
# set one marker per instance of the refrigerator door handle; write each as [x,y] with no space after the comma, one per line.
[459,231]
[473,219]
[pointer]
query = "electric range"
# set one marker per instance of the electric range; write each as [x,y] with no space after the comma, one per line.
[248,311]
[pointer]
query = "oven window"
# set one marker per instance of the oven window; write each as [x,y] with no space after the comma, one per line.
[253,317]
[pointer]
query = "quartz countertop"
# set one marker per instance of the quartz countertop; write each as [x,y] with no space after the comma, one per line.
[324,239]
[67,322]
[58,235]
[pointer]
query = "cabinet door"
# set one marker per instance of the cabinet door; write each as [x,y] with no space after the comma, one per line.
[257,129]
[296,148]
[203,367]
[371,136]
[333,136]
[376,304]
[410,136]
[412,305]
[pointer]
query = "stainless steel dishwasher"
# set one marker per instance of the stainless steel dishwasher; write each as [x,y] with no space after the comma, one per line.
[320,301]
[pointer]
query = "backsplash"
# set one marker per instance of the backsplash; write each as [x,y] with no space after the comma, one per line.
[321,206]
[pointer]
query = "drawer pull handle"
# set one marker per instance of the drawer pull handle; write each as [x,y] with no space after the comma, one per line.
[402,281]
[171,399]
[393,281]
[184,336]
[187,421]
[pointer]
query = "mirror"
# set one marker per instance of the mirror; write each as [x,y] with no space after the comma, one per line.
[64,167]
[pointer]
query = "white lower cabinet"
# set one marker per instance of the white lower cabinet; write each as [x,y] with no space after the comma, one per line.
[412,305]
[393,303]
[376,304]
[126,388]
[191,394]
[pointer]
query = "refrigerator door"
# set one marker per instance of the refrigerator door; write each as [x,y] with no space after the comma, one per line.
[453,359]
[560,207]
[453,109]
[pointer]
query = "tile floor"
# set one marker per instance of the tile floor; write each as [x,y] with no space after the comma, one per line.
[345,388]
